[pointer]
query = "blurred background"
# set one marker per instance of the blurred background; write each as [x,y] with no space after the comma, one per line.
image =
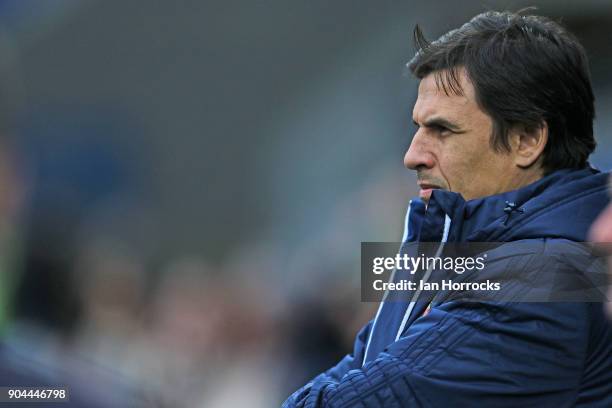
[184,186]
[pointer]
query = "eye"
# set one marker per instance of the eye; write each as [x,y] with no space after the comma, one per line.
[441,129]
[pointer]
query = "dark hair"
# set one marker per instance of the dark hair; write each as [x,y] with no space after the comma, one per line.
[526,70]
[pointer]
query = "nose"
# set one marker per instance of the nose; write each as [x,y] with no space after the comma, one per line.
[419,154]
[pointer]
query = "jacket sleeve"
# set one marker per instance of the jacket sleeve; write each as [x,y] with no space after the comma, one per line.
[349,362]
[518,354]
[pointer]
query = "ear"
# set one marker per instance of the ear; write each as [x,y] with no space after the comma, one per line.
[528,144]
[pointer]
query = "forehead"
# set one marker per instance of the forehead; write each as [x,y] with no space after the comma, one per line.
[432,99]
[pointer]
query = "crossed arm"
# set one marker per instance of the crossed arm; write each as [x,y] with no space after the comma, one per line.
[502,355]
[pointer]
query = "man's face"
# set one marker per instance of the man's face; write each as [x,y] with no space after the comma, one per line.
[451,150]
[601,235]
[601,230]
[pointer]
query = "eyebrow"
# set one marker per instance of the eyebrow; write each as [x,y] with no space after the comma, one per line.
[440,122]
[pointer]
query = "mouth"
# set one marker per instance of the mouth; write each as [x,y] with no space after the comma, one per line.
[426,190]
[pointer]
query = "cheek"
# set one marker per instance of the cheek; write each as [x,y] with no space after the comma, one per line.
[455,165]
[471,169]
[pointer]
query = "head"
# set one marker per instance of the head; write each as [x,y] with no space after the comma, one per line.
[502,101]
[601,236]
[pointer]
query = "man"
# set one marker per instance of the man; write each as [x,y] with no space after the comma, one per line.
[505,128]
[601,235]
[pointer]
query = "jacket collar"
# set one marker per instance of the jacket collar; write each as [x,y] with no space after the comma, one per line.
[492,218]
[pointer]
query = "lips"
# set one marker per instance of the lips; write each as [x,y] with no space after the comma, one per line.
[426,186]
[426,190]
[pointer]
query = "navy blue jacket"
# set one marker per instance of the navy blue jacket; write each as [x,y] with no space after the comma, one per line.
[463,354]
